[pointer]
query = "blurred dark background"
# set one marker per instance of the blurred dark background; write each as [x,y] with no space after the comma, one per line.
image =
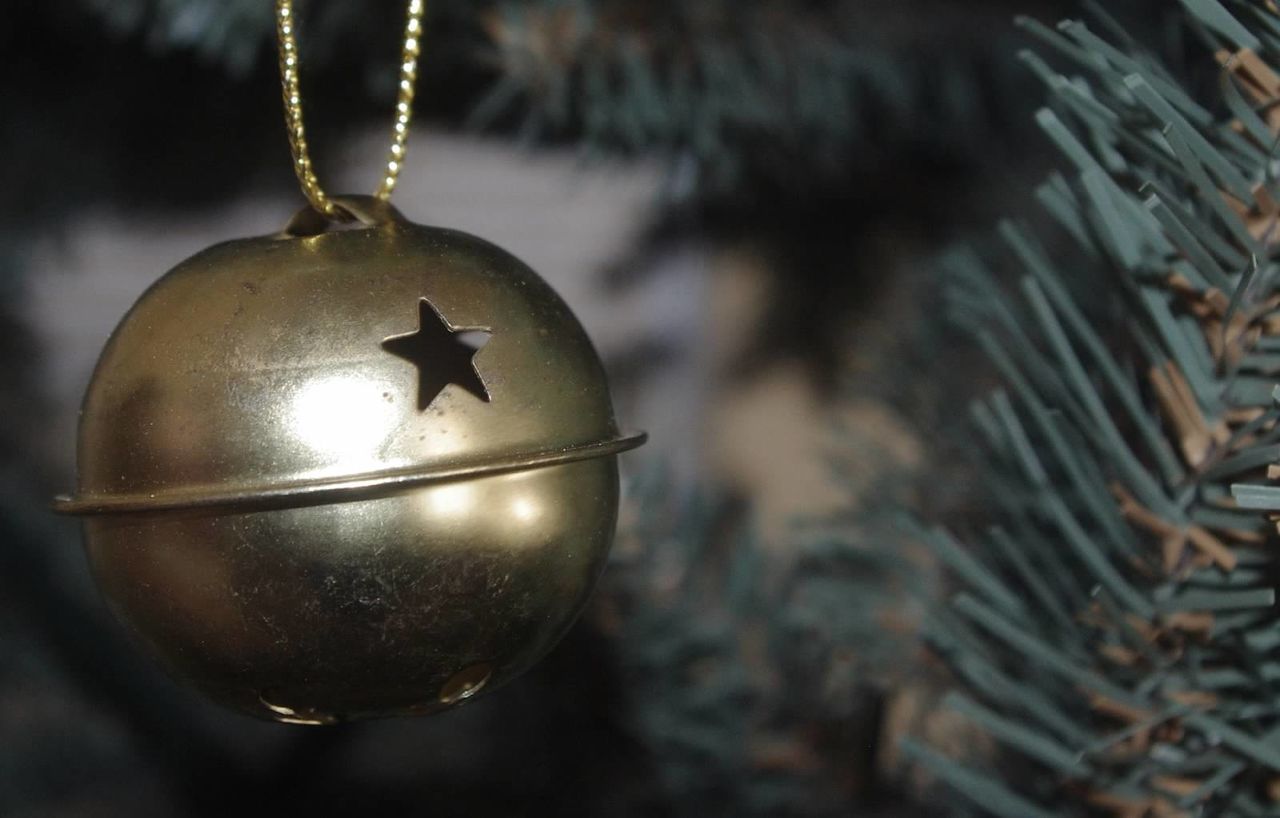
[739,198]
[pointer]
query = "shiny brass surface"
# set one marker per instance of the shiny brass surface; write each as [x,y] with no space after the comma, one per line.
[269,508]
[367,608]
[317,491]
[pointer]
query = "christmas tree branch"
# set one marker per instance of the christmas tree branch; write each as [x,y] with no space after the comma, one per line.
[1114,629]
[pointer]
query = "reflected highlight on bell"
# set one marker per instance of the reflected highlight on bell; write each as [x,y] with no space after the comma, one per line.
[449,500]
[525,509]
[346,416]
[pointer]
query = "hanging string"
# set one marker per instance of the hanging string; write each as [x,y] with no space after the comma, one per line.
[286,26]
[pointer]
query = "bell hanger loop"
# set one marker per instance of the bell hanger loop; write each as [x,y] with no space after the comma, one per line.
[351,212]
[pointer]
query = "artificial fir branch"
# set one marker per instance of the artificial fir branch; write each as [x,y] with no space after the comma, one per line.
[738,85]
[734,89]
[1115,629]
[753,678]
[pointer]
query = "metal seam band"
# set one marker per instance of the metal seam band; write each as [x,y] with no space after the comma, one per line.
[341,489]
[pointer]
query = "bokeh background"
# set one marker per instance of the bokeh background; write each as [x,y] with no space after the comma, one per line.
[742,200]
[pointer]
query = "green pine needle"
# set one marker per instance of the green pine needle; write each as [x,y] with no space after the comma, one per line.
[1115,631]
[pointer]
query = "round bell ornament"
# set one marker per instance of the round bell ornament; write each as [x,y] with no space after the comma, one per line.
[340,473]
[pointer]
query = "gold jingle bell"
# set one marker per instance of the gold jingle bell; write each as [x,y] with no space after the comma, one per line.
[312,495]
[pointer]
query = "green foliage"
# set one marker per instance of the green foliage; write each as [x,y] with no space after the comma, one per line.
[738,85]
[750,676]
[1114,629]
[729,89]
[229,32]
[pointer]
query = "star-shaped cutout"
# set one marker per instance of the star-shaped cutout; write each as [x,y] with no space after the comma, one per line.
[441,356]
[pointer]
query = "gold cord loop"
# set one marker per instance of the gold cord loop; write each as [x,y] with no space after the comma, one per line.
[286,25]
